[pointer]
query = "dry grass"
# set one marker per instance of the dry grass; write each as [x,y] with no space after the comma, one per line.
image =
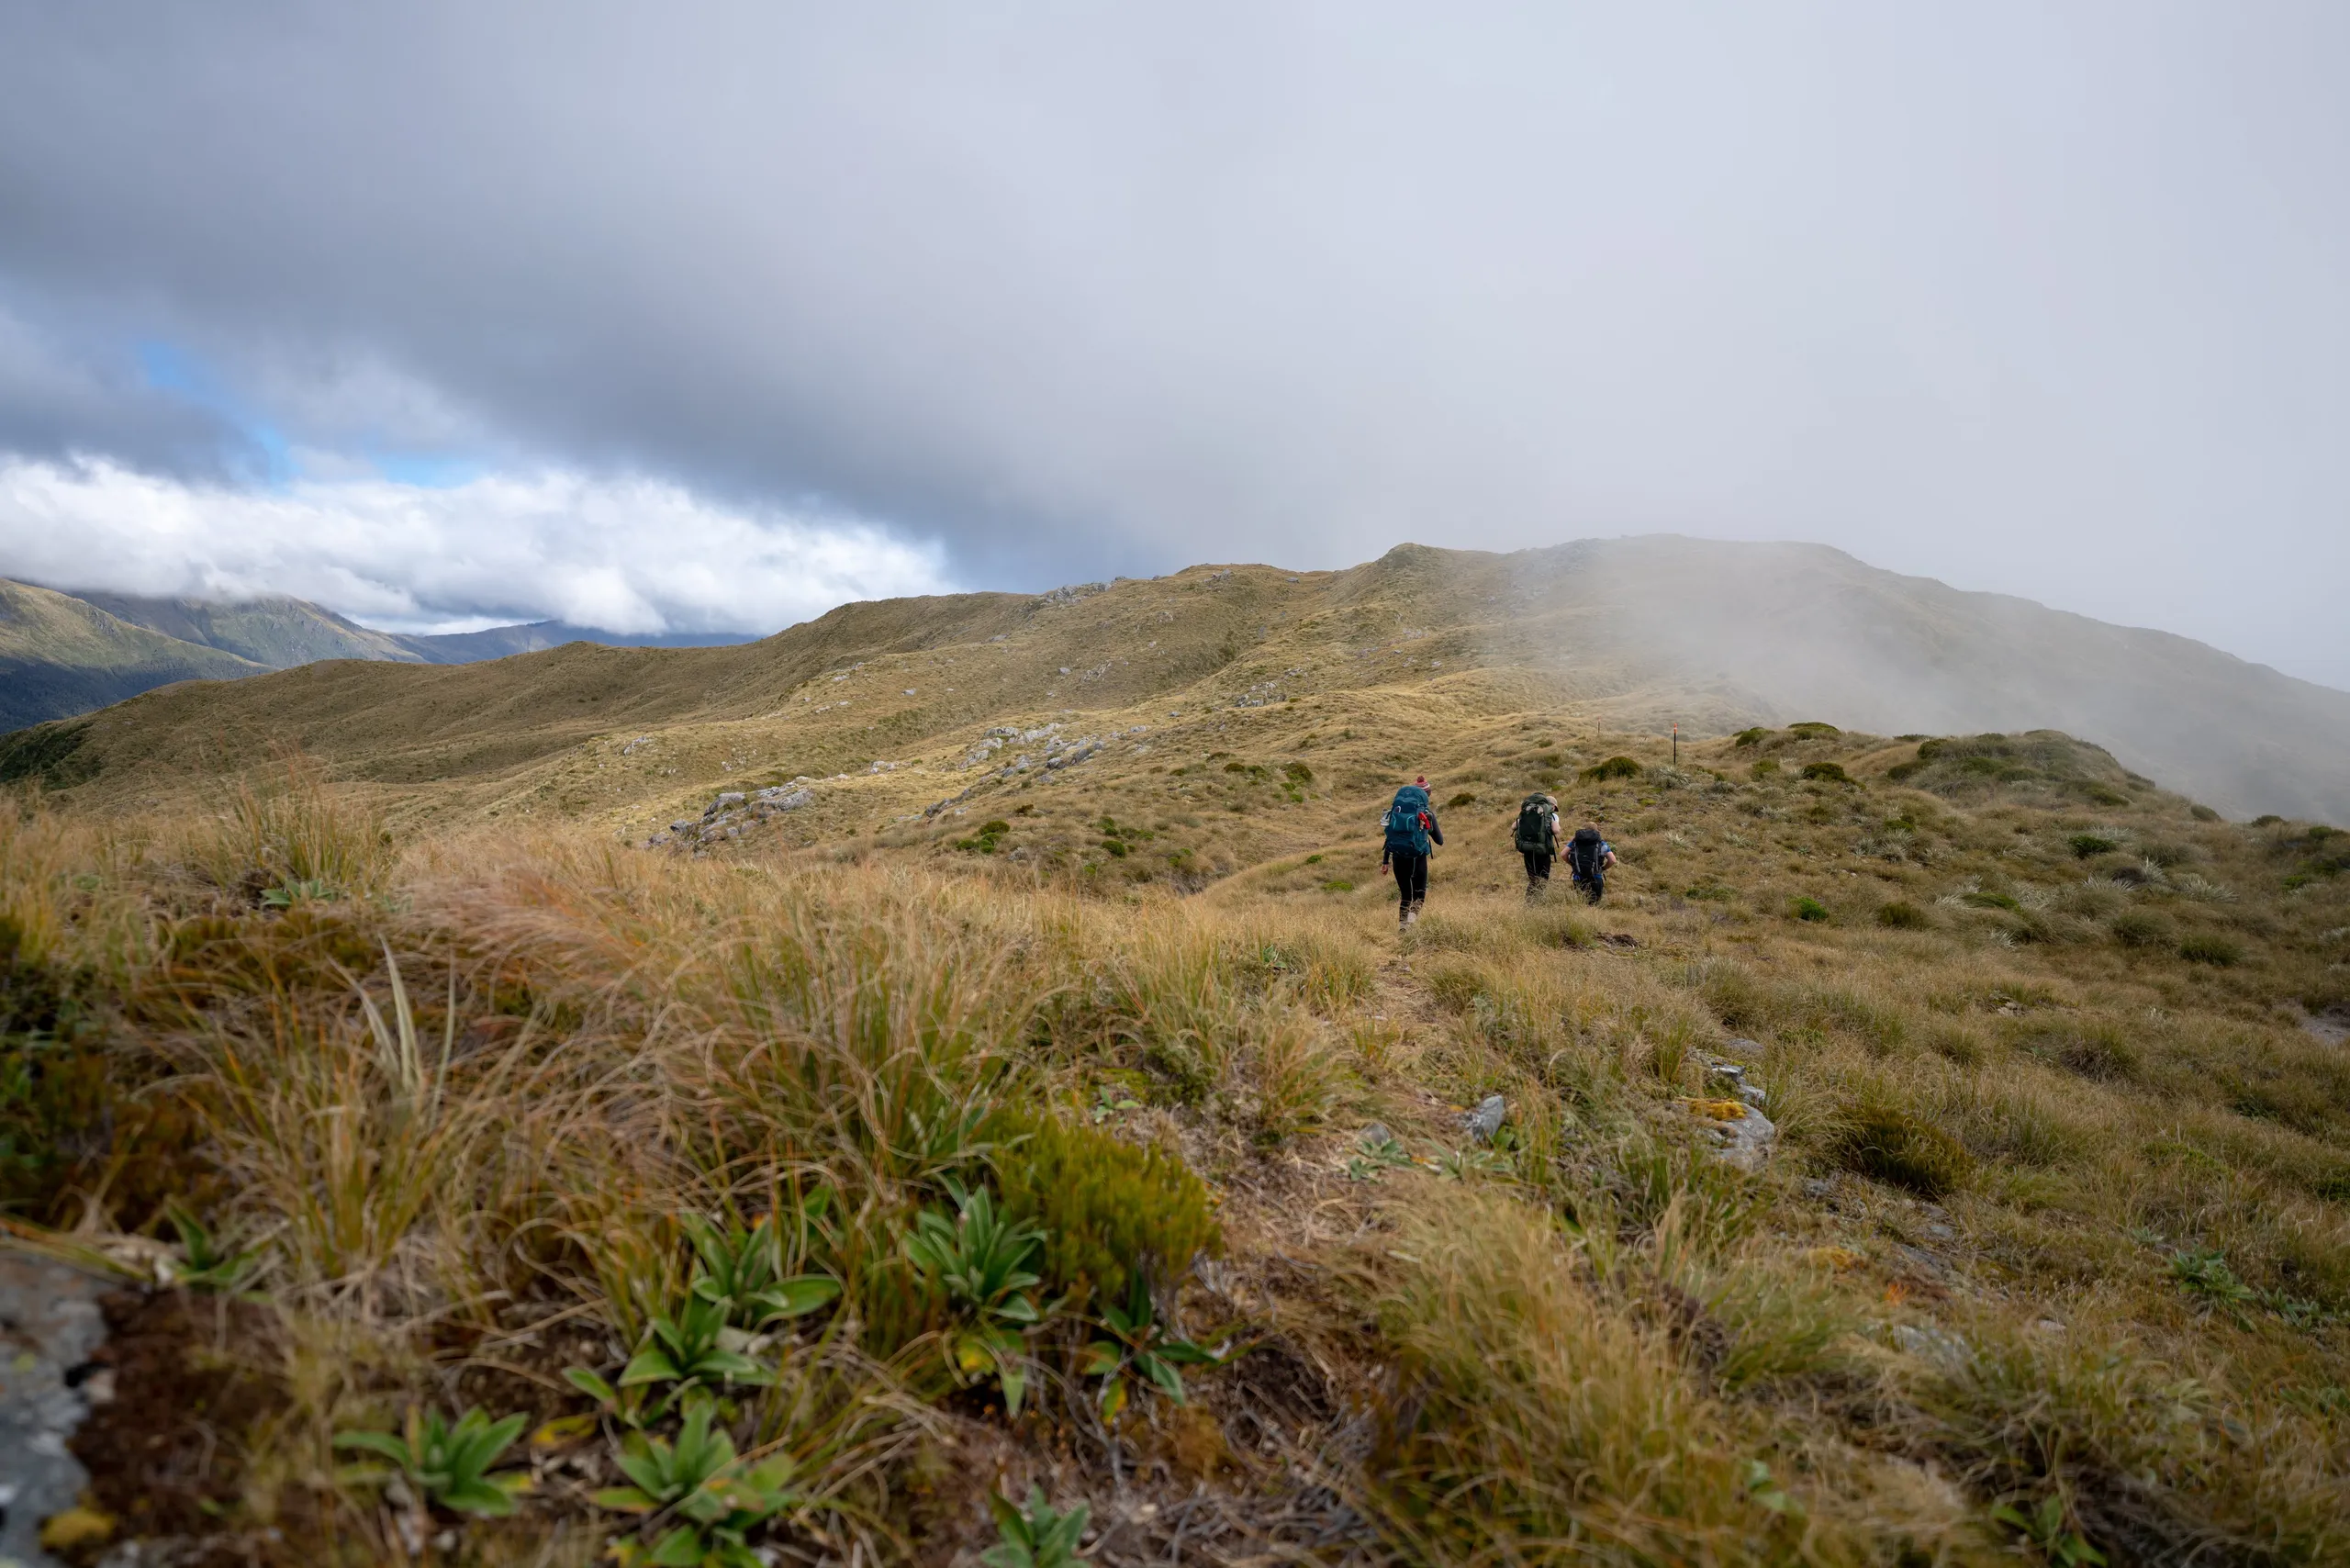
[2055,1213]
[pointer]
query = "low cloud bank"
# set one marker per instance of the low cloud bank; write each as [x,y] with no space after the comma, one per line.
[630,556]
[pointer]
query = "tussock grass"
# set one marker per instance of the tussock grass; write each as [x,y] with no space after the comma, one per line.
[464,1093]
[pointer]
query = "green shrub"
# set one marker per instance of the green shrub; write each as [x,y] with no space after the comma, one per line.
[1764,768]
[2088,846]
[2211,948]
[2136,928]
[1812,730]
[1826,773]
[1901,772]
[1109,1206]
[1991,900]
[1809,909]
[1903,915]
[1888,1144]
[1753,737]
[984,842]
[1298,773]
[2203,813]
[1613,767]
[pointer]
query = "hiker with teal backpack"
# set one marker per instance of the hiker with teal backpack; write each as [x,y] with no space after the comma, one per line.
[1537,839]
[1411,831]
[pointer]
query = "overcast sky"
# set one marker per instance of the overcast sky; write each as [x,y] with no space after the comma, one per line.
[706,317]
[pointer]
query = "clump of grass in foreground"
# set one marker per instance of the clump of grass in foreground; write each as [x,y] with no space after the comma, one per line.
[1888,1143]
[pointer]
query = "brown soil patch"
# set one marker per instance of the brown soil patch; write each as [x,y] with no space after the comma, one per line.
[165,1454]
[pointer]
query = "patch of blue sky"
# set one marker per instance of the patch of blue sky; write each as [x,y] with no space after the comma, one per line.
[427,470]
[265,455]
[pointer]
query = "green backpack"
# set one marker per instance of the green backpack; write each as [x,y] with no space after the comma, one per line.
[1536,822]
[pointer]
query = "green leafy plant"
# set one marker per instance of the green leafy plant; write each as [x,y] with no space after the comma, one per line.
[2047,1529]
[1033,1535]
[2088,845]
[742,1270]
[2204,1272]
[1138,1350]
[1808,909]
[449,1461]
[1766,1492]
[286,895]
[716,1498]
[1826,773]
[205,1263]
[981,1261]
[1903,915]
[696,1347]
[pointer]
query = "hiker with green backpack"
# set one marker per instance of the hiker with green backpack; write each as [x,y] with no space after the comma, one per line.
[1537,839]
[1411,828]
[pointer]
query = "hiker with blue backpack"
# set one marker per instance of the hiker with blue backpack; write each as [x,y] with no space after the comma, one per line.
[1411,831]
[1589,857]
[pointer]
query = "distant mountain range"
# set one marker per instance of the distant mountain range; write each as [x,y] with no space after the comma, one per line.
[62,653]
[1622,637]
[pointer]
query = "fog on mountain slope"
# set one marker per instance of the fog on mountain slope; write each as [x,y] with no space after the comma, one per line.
[1784,632]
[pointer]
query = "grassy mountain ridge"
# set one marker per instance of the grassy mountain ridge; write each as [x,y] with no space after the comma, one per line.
[274,632]
[64,661]
[1630,635]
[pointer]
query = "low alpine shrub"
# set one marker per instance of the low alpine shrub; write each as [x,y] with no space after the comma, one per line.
[1826,773]
[2211,948]
[1109,1207]
[1903,915]
[2088,845]
[2136,928]
[1613,767]
[1809,909]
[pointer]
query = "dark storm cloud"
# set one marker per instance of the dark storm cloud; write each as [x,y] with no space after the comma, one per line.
[2046,300]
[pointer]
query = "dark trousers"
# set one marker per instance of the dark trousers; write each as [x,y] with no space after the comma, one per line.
[1538,865]
[1411,877]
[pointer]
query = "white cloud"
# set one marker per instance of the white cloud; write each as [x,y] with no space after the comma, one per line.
[626,554]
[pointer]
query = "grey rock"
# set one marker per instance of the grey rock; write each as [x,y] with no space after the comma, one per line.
[1375,1135]
[1746,1143]
[1483,1122]
[1928,1343]
[1941,1232]
[1745,1048]
[50,1324]
[1819,1187]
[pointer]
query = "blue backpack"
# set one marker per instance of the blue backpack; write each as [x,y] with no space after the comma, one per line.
[1407,820]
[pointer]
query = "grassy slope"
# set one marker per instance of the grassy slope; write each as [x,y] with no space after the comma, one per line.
[2058,1220]
[276,631]
[58,654]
